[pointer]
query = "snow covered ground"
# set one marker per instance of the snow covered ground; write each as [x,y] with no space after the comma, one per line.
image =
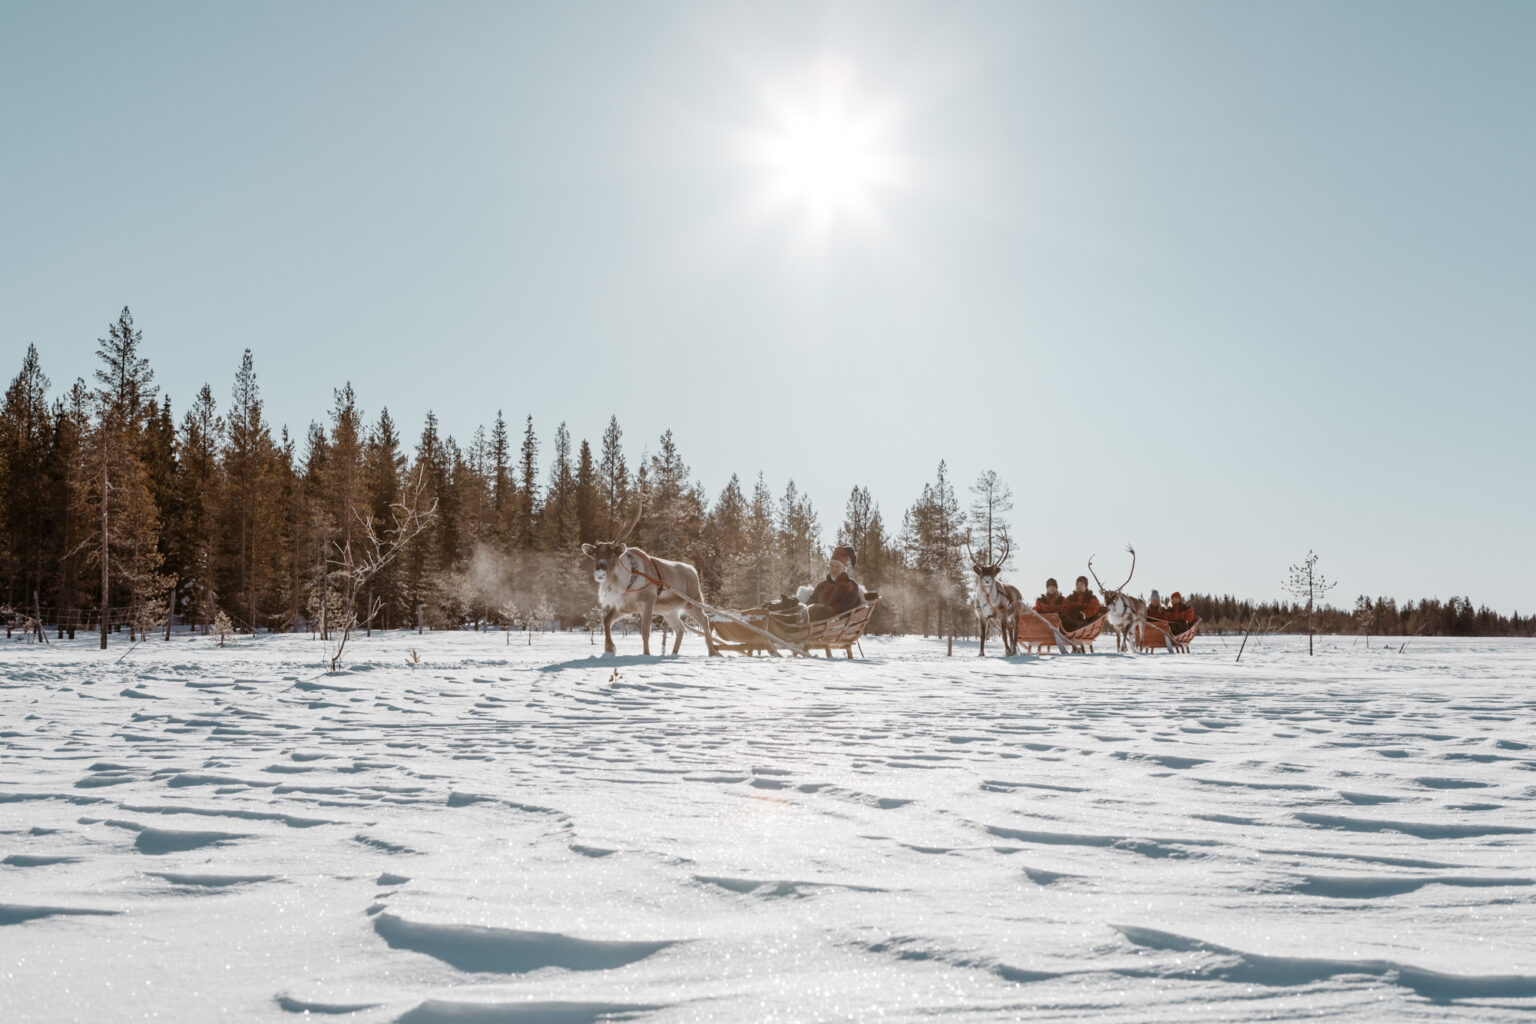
[533,833]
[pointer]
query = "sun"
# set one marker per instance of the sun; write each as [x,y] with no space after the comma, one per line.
[825,154]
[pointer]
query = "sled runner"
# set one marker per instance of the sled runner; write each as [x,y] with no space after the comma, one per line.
[1152,638]
[840,632]
[1035,636]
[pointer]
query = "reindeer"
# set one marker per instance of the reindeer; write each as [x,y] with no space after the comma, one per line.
[996,599]
[1126,615]
[629,580]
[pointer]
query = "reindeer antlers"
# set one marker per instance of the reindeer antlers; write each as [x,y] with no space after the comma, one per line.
[1133,566]
[1007,546]
[1127,579]
[639,511]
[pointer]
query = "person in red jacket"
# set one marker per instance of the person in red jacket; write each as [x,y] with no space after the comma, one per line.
[839,592]
[1050,601]
[1178,614]
[1080,607]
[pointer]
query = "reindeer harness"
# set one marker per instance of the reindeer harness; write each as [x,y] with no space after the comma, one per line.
[987,598]
[660,583]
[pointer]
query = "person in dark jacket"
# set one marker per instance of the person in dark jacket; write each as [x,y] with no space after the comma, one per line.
[1050,601]
[839,592]
[1180,615]
[1080,607]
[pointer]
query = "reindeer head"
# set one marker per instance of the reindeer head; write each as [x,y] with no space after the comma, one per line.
[986,569]
[1110,596]
[606,553]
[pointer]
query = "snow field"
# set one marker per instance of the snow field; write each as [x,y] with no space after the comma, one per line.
[537,833]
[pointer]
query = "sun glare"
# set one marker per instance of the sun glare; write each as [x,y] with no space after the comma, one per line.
[825,156]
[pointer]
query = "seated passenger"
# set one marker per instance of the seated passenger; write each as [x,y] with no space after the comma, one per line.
[1155,609]
[1178,612]
[1080,607]
[1050,601]
[839,592]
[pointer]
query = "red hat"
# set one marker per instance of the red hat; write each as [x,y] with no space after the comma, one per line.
[845,555]
[1175,596]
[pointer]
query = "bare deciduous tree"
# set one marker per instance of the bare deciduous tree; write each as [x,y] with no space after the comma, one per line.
[376,549]
[1306,582]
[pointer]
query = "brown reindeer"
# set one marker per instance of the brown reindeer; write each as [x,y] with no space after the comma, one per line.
[996,599]
[629,580]
[1126,615]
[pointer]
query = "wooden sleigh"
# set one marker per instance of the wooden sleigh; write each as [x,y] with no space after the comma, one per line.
[1152,637]
[1036,637]
[840,632]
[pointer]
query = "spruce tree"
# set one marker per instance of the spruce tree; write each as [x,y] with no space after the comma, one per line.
[528,470]
[757,577]
[198,497]
[249,458]
[725,539]
[115,487]
[558,518]
[586,496]
[613,477]
[26,447]
[503,492]
[383,469]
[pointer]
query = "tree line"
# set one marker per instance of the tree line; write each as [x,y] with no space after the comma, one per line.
[115,515]
[1380,616]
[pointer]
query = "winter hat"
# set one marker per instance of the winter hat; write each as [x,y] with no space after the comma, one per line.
[1051,582]
[1155,598]
[1175,596]
[845,555]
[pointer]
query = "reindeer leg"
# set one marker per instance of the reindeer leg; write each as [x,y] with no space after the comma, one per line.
[609,614]
[676,619]
[703,617]
[647,611]
[982,622]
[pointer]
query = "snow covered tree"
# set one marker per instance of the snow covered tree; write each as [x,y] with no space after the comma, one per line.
[1307,583]
[223,628]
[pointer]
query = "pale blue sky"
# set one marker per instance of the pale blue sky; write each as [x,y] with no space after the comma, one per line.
[1225,280]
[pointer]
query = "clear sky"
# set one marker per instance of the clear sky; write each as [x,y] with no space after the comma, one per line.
[1226,280]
